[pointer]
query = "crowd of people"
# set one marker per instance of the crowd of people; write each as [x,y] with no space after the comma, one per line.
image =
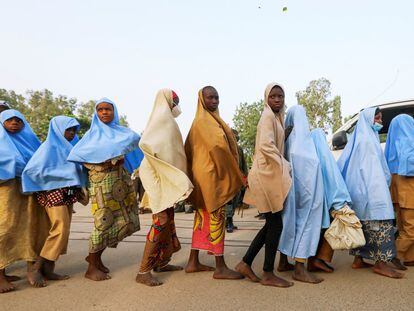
[294,182]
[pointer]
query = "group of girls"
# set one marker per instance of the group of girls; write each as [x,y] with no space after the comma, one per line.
[40,182]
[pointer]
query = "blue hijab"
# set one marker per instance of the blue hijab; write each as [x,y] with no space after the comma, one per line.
[336,192]
[15,149]
[102,141]
[49,169]
[303,208]
[365,170]
[399,150]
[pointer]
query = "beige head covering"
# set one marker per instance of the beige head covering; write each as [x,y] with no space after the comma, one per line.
[163,171]
[212,155]
[269,177]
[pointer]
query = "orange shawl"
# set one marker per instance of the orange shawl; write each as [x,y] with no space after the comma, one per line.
[212,157]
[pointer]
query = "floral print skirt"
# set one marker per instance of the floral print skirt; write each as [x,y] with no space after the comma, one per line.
[380,246]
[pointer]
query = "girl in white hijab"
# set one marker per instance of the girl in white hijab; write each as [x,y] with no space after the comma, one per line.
[163,173]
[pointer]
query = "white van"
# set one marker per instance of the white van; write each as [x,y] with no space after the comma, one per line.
[389,111]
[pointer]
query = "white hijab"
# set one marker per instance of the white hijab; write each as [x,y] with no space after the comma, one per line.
[163,171]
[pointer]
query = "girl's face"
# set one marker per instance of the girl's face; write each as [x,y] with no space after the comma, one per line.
[70,133]
[378,118]
[105,112]
[13,125]
[276,99]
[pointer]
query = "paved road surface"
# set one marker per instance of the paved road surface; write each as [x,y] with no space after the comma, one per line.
[345,289]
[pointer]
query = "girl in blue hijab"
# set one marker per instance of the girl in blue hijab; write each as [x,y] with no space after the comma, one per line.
[23,225]
[303,208]
[103,150]
[368,178]
[57,183]
[399,152]
[336,196]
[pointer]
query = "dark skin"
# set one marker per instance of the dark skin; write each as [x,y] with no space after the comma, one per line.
[379,267]
[13,125]
[221,271]
[48,266]
[105,112]
[5,282]
[147,278]
[96,269]
[70,133]
[211,98]
[276,99]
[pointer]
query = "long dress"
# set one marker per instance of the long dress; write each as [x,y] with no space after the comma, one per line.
[113,203]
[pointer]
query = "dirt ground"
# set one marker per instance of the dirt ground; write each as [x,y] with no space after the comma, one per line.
[344,289]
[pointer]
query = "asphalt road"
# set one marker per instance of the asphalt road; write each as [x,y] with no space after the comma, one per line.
[344,289]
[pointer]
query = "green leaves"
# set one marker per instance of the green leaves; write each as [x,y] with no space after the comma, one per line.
[321,111]
[245,121]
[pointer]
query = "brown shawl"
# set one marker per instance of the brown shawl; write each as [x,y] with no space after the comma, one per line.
[269,177]
[212,157]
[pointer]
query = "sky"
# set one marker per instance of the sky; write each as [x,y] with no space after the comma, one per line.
[127,50]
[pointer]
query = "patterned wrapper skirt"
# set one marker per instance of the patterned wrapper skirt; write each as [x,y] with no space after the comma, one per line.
[162,241]
[209,231]
[380,241]
[114,205]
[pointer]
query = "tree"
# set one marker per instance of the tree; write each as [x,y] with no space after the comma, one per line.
[16,101]
[41,106]
[245,121]
[321,111]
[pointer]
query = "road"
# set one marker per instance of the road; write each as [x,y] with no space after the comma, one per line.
[344,289]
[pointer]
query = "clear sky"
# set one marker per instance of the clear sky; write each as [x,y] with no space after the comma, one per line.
[127,50]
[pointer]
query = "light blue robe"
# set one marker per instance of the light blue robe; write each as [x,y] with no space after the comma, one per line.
[365,171]
[49,169]
[335,189]
[303,208]
[399,150]
[103,142]
[15,149]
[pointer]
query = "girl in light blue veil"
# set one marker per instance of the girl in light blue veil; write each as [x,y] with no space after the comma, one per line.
[399,152]
[303,208]
[23,225]
[104,150]
[57,184]
[336,196]
[365,170]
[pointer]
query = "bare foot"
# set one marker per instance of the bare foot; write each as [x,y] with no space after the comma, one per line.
[100,265]
[48,271]
[36,279]
[95,274]
[270,279]
[247,271]
[197,267]
[359,263]
[168,268]
[284,264]
[5,285]
[383,269]
[300,274]
[224,273]
[147,279]
[409,263]
[398,264]
[316,265]
[55,277]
